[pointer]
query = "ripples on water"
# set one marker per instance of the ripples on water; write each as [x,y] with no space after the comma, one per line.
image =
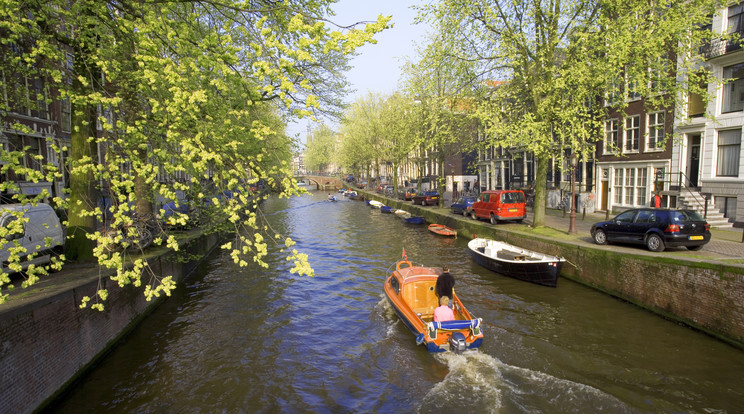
[263,340]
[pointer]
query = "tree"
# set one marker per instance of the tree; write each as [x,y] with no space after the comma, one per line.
[443,87]
[557,60]
[321,149]
[194,89]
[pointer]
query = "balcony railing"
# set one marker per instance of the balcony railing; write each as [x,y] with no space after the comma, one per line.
[720,47]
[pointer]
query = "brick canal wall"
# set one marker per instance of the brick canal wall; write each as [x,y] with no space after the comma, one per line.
[47,341]
[706,295]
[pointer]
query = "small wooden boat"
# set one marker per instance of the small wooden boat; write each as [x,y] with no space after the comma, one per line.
[357,197]
[410,291]
[516,262]
[442,230]
[414,220]
[386,209]
[332,198]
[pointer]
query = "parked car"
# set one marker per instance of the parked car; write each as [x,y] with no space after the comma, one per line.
[389,190]
[463,205]
[381,188]
[655,228]
[500,205]
[410,192]
[43,234]
[430,198]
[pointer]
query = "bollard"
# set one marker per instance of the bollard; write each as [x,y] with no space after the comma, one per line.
[583,214]
[564,211]
[607,214]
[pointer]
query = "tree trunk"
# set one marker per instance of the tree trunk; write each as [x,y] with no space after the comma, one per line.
[83,195]
[541,183]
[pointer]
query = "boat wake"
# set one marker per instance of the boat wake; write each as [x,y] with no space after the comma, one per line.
[478,382]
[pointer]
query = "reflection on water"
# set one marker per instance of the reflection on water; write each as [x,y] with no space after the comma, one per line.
[255,340]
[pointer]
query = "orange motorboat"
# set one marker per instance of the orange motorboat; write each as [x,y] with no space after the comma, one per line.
[442,230]
[410,291]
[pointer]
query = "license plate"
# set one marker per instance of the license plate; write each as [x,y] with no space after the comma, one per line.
[696,237]
[512,210]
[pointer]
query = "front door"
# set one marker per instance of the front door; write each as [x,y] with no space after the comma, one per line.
[693,162]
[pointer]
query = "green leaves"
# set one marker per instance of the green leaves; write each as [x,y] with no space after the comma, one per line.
[176,101]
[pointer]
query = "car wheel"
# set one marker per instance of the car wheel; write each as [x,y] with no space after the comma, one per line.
[600,237]
[655,243]
[694,248]
[494,221]
[423,202]
[473,216]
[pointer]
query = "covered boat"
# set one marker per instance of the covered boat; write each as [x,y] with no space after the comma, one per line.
[516,262]
[442,230]
[375,203]
[414,220]
[410,291]
[402,213]
[386,209]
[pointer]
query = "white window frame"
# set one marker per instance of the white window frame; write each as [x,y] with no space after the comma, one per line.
[734,156]
[617,185]
[611,145]
[656,130]
[632,134]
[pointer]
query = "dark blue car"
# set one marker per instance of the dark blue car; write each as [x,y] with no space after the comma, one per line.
[655,228]
[463,205]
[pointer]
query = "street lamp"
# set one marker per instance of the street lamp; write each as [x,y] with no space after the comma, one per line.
[572,216]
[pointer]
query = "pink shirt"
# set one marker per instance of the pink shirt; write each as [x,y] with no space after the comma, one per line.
[443,313]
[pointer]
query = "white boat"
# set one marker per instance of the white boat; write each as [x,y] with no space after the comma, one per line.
[402,213]
[516,262]
[375,204]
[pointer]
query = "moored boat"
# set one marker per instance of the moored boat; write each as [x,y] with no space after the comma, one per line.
[375,203]
[442,230]
[402,213]
[357,197]
[516,262]
[410,291]
[386,209]
[414,220]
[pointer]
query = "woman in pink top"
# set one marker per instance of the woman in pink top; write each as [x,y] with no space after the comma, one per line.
[443,312]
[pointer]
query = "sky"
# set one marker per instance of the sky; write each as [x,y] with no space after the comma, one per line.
[377,68]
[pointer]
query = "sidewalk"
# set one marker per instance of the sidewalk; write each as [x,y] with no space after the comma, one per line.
[725,244]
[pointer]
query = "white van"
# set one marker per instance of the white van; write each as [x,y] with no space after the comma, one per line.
[42,223]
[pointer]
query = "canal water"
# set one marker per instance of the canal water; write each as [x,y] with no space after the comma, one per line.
[250,339]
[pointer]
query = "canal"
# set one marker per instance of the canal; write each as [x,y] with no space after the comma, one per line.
[250,339]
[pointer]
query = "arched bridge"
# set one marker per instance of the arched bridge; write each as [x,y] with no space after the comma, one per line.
[322,182]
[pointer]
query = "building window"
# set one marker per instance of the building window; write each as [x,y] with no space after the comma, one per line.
[733,90]
[726,205]
[641,186]
[655,131]
[631,86]
[736,18]
[618,186]
[632,132]
[629,186]
[612,137]
[729,151]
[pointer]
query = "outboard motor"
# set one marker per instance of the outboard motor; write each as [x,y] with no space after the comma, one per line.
[457,343]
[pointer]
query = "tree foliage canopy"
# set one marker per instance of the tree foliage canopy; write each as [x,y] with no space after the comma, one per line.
[191,89]
[550,70]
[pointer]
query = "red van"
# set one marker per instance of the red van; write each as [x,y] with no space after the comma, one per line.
[498,205]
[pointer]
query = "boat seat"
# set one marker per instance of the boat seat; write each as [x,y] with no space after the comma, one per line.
[510,255]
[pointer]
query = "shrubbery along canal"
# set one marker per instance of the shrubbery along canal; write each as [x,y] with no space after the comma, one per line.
[234,339]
